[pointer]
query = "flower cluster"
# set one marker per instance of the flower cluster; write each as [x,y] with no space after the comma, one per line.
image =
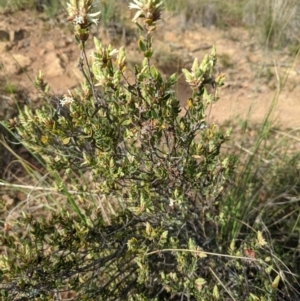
[66,100]
[201,72]
[80,13]
[149,9]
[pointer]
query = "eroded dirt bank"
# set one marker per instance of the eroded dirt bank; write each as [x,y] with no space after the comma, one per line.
[30,43]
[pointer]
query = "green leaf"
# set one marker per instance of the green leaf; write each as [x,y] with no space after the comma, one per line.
[140,27]
[148,54]
[199,282]
[142,44]
[171,80]
[126,122]
[216,292]
[66,140]
[276,281]
[142,76]
[154,114]
[153,71]
[254,297]
[188,76]
[164,235]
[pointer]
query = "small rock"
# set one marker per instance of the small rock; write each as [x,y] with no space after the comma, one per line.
[49,46]
[69,40]
[65,58]
[4,46]
[15,65]
[3,24]
[22,60]
[8,201]
[6,105]
[53,66]
[61,43]
[42,52]
[22,44]
[11,35]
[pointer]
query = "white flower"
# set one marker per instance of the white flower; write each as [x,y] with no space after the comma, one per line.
[149,9]
[66,100]
[94,17]
[78,20]
[138,5]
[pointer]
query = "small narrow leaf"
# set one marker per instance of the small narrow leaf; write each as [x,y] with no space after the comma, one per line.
[148,229]
[254,297]
[216,292]
[276,281]
[148,54]
[153,71]
[142,45]
[199,283]
[171,80]
[260,240]
[66,140]
[44,139]
[232,245]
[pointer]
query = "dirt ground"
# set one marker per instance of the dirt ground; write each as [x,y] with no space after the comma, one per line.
[255,77]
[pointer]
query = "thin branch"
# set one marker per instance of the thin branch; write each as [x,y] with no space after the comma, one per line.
[55,190]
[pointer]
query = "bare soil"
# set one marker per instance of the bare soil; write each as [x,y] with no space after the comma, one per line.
[255,77]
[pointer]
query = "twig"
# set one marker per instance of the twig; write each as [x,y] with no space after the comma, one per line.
[201,252]
[287,135]
[37,188]
[251,153]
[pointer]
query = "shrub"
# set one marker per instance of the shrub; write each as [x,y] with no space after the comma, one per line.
[159,171]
